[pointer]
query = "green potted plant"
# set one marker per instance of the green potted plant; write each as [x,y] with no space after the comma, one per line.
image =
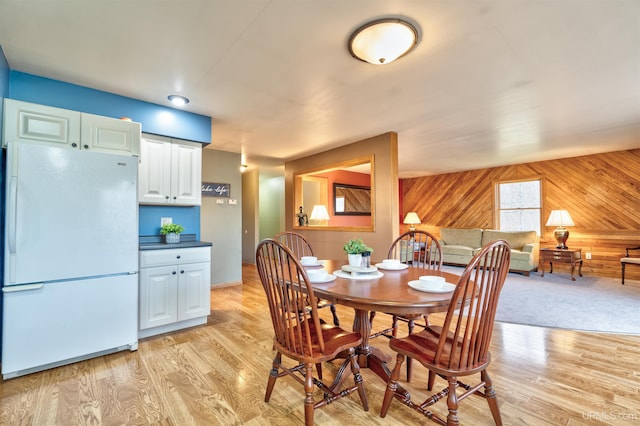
[354,249]
[171,232]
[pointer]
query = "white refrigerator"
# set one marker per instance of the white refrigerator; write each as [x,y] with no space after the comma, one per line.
[70,289]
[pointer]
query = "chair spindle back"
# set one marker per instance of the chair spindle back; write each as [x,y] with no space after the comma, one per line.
[297,243]
[292,303]
[470,326]
[418,249]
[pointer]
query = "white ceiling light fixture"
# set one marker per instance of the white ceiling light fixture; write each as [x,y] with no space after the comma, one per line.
[178,100]
[383,41]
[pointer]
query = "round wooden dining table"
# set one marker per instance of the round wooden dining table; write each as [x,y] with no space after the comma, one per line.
[389,293]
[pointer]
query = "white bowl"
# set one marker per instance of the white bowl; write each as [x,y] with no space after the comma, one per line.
[433,282]
[308,260]
[391,263]
[317,274]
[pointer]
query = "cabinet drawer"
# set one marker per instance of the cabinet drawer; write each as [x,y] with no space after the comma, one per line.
[560,256]
[152,258]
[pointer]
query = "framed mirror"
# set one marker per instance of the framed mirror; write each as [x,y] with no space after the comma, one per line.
[350,208]
[351,200]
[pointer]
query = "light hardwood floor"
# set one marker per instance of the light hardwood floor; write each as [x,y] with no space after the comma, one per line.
[216,375]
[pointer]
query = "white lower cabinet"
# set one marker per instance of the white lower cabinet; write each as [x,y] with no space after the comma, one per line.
[174,289]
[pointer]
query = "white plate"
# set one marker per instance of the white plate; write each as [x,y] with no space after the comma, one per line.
[367,276]
[427,287]
[326,279]
[318,263]
[398,268]
[349,268]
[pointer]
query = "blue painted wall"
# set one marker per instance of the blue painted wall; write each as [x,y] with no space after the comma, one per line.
[4,82]
[156,119]
[4,92]
[189,217]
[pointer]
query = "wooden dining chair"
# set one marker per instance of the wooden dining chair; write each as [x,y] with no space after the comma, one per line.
[461,346]
[299,333]
[416,249]
[299,245]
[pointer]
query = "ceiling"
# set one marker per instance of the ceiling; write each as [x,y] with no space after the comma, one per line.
[491,82]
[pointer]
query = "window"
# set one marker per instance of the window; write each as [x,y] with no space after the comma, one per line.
[519,206]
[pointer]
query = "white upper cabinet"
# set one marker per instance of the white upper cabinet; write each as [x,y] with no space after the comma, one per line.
[109,135]
[170,171]
[47,125]
[40,124]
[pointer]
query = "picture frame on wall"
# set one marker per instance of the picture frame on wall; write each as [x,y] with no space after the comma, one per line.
[213,189]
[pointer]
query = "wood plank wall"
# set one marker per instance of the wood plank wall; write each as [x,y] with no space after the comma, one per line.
[600,191]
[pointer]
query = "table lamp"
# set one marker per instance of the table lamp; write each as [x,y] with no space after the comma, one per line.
[319,214]
[411,219]
[560,218]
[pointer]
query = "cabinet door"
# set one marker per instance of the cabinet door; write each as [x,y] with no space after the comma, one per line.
[40,124]
[186,173]
[158,294]
[109,135]
[194,287]
[154,172]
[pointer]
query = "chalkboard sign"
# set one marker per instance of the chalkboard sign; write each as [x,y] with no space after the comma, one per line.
[211,189]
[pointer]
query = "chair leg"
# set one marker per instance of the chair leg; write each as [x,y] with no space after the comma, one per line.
[432,380]
[308,392]
[394,326]
[411,325]
[452,402]
[336,321]
[392,385]
[623,273]
[273,375]
[490,394]
[357,377]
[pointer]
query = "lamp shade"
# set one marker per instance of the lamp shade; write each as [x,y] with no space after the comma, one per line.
[411,218]
[383,41]
[319,212]
[560,218]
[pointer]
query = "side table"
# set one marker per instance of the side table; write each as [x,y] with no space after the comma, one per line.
[572,257]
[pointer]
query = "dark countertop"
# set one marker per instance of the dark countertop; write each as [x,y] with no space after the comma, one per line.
[156,242]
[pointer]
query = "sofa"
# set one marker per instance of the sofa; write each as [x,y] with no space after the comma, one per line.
[459,245]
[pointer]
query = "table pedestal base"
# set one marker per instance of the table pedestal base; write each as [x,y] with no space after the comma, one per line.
[368,356]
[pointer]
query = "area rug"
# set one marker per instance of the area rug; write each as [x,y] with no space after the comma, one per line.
[589,303]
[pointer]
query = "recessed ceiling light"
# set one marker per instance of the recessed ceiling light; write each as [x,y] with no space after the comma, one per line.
[383,41]
[178,100]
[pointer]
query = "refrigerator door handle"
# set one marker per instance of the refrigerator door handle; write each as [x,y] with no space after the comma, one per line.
[26,287]
[13,214]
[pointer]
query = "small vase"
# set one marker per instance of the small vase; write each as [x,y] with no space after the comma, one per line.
[355,260]
[172,238]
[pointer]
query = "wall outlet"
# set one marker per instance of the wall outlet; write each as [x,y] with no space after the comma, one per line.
[587,255]
[166,221]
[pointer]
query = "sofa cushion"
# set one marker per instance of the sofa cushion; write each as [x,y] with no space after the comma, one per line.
[471,237]
[459,250]
[516,239]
